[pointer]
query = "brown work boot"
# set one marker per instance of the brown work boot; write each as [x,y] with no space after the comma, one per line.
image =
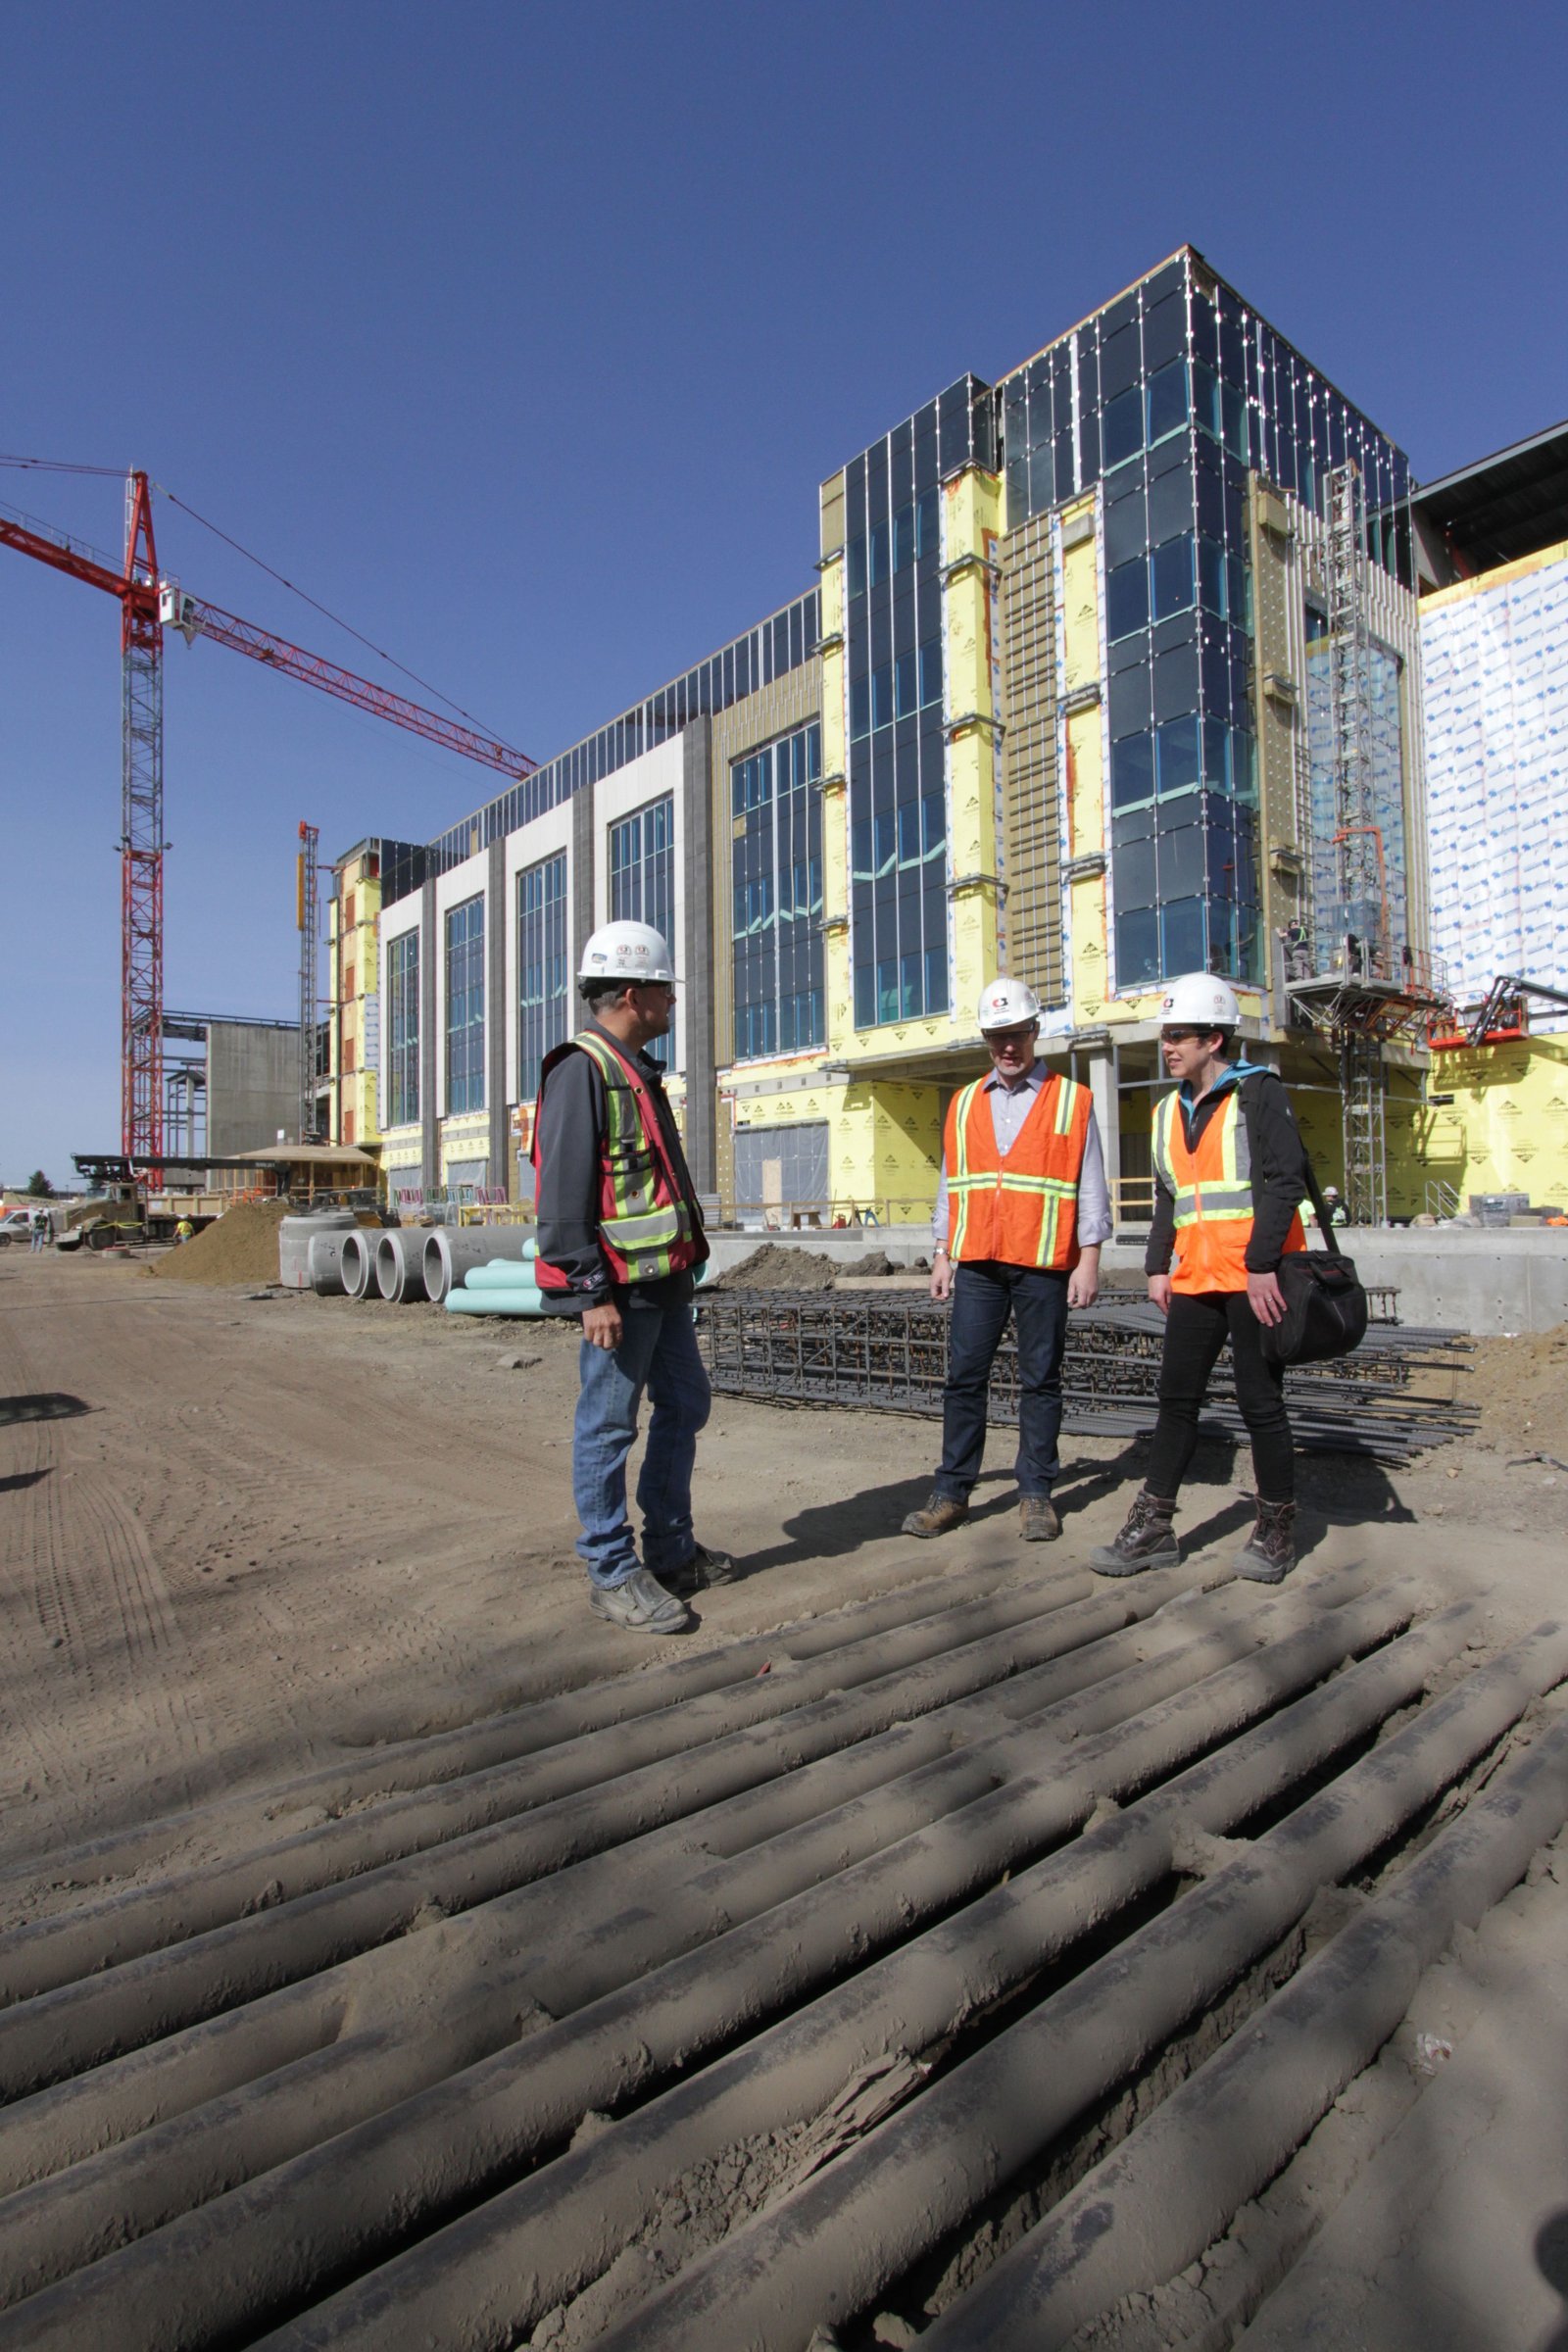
[1147,1539]
[1037,1519]
[1269,1553]
[937,1515]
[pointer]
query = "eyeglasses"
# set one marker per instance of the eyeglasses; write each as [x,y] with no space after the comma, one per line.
[665,986]
[1181,1037]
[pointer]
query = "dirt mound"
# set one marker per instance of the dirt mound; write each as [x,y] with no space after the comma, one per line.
[241,1246]
[1522,1389]
[874,1267]
[777,1267]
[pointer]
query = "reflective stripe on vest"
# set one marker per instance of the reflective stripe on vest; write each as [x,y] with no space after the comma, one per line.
[1211,1191]
[646,1227]
[1021,1208]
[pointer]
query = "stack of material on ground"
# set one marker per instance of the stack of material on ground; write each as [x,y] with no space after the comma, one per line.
[500,1286]
[1396,1394]
[242,1245]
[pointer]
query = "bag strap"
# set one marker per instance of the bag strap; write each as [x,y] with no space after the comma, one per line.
[1325,1223]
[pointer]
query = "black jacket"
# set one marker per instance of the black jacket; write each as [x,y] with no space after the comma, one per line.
[570,1139]
[1279,1172]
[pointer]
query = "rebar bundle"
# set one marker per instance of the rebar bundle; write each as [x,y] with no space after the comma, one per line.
[1396,1396]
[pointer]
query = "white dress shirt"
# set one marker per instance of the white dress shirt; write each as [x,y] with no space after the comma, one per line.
[1012,1100]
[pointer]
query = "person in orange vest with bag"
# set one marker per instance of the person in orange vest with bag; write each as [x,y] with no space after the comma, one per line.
[1022,1211]
[1229,1173]
[620,1235]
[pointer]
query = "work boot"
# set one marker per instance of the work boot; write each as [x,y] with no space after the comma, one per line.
[939,1513]
[641,1604]
[703,1568]
[1037,1519]
[1269,1553]
[1147,1539]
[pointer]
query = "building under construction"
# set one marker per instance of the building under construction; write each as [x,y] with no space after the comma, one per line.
[1112,672]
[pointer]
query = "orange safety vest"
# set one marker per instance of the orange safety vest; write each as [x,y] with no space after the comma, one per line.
[1212,1190]
[1021,1209]
[649,1226]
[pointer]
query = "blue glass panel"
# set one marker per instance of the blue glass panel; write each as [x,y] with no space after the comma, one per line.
[1127,598]
[1205,399]
[1132,770]
[1178,755]
[1137,948]
[859,707]
[1171,566]
[1183,944]
[882,695]
[931,670]
[905,685]
[1134,876]
[1041,477]
[1123,426]
[936,979]
[1211,576]
[1167,400]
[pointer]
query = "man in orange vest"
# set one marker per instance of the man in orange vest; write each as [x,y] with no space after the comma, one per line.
[1022,1211]
[1230,1172]
[619,1235]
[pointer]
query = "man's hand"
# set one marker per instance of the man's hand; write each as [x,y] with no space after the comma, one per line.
[1160,1291]
[1265,1297]
[1082,1283]
[601,1327]
[941,1277]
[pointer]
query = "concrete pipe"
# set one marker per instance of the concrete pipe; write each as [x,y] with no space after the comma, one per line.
[295,1237]
[325,1265]
[398,1261]
[452,1249]
[1177,2184]
[358,1263]
[283,2234]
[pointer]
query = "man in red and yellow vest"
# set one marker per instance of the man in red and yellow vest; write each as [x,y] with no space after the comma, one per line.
[1230,1172]
[1022,1210]
[620,1234]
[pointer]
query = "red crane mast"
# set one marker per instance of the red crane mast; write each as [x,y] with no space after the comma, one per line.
[148,604]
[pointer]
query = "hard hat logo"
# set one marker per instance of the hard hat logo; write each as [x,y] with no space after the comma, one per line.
[626,951]
[1007,1004]
[1202,999]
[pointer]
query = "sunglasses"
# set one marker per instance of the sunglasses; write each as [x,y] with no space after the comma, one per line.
[1182,1037]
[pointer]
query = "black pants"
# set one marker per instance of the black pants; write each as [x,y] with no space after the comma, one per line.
[985,1292]
[1196,1329]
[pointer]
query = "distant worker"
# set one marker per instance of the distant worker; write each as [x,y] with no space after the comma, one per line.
[1229,1173]
[1022,1211]
[184,1231]
[619,1235]
[39,1229]
[1338,1214]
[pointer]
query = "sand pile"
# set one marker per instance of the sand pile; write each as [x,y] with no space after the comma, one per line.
[1522,1389]
[241,1246]
[777,1267]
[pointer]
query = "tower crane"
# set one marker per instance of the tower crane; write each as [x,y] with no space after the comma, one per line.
[150,604]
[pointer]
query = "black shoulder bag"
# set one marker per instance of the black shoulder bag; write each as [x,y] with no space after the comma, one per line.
[1325,1304]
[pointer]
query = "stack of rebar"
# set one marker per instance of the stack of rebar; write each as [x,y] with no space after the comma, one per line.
[1396,1396]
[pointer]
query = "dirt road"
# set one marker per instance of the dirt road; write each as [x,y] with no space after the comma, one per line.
[240,1533]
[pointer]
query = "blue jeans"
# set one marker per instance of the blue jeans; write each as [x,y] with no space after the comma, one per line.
[985,1292]
[657,1352]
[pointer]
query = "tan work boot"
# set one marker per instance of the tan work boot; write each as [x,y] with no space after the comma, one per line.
[1037,1519]
[937,1515]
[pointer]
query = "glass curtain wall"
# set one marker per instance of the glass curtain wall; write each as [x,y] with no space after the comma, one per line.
[642,882]
[776,876]
[544,983]
[403,1030]
[466,1006]
[894,668]
[1167,399]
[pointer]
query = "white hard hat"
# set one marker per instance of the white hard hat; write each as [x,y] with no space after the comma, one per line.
[1006,1003]
[626,951]
[1202,1000]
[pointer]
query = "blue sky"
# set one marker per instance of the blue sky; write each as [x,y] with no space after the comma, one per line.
[520,336]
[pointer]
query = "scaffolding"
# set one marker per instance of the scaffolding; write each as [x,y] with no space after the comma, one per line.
[1357,985]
